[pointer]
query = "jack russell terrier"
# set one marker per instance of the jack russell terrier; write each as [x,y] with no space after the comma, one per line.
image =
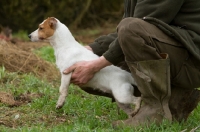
[68,51]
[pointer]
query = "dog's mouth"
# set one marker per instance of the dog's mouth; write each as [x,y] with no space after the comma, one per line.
[41,38]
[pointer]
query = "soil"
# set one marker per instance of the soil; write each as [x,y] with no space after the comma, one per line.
[11,101]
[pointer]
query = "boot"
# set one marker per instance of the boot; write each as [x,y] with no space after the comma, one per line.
[183,102]
[153,81]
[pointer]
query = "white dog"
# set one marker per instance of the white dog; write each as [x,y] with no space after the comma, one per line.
[68,51]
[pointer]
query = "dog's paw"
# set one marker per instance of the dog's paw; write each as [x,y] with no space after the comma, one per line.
[137,106]
[59,105]
[60,102]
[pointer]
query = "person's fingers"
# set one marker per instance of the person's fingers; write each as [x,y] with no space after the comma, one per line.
[78,80]
[70,69]
[88,47]
[75,77]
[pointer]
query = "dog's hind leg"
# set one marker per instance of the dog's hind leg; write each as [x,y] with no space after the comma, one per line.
[124,99]
[137,102]
[126,108]
[65,81]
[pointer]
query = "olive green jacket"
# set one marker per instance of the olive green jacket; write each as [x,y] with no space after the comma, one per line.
[178,18]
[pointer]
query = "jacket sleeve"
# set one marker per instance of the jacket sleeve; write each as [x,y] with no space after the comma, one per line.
[114,54]
[108,46]
[101,44]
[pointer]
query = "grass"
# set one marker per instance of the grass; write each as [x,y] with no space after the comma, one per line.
[22,35]
[46,53]
[81,113]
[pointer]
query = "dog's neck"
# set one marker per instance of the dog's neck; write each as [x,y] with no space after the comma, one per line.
[62,37]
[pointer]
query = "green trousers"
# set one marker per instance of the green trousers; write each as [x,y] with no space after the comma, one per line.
[142,41]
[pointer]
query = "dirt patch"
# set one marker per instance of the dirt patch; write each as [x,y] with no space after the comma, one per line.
[14,116]
[11,101]
[7,98]
[19,58]
[18,118]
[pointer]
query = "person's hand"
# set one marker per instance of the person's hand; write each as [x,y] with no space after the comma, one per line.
[88,47]
[84,71]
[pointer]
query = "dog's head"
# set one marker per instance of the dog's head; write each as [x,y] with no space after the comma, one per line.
[45,30]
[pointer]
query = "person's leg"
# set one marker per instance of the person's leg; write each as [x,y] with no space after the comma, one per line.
[142,44]
[183,102]
[185,98]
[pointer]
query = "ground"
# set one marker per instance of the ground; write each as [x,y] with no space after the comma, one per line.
[29,91]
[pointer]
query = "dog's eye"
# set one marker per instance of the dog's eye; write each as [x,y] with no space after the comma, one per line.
[40,28]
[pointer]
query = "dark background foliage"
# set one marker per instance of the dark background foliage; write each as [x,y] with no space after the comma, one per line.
[27,14]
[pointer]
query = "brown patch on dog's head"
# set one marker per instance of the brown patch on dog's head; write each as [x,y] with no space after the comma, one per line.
[47,28]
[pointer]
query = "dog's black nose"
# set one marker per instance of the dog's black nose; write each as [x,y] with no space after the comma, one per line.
[29,36]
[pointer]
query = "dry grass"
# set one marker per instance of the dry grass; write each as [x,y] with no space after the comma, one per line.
[20,58]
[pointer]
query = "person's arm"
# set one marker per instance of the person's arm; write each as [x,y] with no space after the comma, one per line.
[114,54]
[83,71]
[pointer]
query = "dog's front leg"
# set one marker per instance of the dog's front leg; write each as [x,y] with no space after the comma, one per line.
[65,81]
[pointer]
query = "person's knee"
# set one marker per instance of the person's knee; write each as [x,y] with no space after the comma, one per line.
[128,24]
[128,27]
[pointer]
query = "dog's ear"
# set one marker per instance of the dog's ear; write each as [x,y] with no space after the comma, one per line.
[52,22]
